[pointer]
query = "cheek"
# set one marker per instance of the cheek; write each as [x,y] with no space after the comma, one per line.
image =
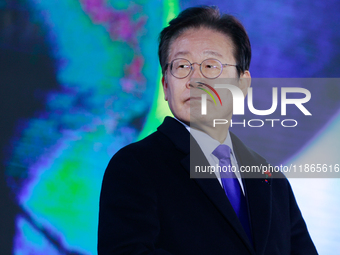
[174,99]
[171,96]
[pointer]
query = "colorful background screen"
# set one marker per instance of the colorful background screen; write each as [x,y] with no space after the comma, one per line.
[80,79]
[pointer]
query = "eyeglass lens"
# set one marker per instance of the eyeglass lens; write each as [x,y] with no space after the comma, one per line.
[210,68]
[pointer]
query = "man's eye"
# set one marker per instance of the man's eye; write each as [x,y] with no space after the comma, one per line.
[183,66]
[210,67]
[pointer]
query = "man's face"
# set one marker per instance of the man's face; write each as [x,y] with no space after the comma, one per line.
[196,45]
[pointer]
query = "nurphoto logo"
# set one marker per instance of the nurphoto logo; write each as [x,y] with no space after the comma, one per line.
[237,98]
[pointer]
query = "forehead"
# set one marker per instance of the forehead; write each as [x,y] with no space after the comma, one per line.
[202,42]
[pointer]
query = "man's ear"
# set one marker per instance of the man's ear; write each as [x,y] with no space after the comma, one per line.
[165,86]
[245,82]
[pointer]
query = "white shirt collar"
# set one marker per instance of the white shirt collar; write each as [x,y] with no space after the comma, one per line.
[208,145]
[206,142]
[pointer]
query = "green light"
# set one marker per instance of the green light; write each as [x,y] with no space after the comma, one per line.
[160,108]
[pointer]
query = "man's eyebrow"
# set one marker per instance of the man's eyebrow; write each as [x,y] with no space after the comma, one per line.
[213,53]
[207,52]
[181,53]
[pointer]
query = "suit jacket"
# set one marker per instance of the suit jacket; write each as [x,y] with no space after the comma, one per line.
[150,205]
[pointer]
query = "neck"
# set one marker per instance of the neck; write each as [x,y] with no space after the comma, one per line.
[219,132]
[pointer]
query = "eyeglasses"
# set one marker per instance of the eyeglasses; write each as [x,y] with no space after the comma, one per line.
[210,68]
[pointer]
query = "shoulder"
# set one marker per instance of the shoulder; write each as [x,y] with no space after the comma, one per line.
[148,155]
[142,164]
[168,135]
[143,146]
[130,170]
[138,153]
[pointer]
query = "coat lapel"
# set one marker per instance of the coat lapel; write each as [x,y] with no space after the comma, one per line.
[259,205]
[210,186]
[215,193]
[258,193]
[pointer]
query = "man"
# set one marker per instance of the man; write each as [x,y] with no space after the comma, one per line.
[150,205]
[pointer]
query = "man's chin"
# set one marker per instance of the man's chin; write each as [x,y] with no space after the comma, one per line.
[198,121]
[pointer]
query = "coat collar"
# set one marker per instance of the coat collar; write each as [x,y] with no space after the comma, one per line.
[258,192]
[177,133]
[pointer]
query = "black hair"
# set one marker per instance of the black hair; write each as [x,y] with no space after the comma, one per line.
[207,17]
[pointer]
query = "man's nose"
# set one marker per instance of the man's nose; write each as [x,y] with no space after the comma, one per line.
[196,71]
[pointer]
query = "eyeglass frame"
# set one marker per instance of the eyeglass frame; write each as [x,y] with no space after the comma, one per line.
[191,68]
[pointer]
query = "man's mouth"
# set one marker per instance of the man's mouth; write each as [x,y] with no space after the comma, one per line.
[196,98]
